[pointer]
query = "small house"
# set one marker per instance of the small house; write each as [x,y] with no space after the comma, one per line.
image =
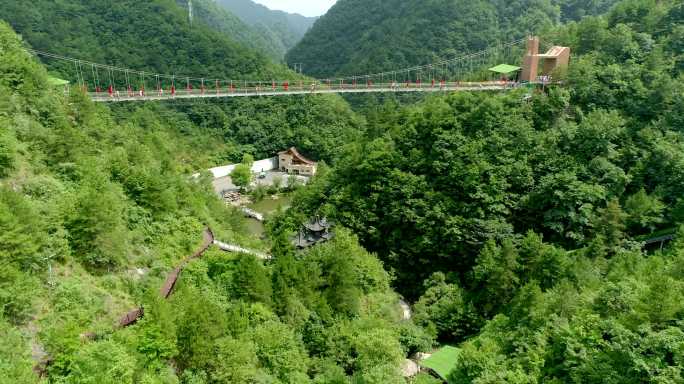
[291,161]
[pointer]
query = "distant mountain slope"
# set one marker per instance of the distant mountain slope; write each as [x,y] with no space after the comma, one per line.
[357,36]
[285,28]
[152,35]
[577,9]
[252,36]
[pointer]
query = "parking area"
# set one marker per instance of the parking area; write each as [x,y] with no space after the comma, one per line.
[269,178]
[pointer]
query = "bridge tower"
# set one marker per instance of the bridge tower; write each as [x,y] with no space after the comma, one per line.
[556,57]
[530,65]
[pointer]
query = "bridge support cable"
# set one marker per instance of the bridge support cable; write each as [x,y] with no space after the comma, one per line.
[449,73]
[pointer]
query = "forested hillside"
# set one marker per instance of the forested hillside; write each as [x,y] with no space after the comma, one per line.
[284,28]
[154,36]
[362,36]
[160,39]
[95,211]
[514,223]
[208,12]
[433,182]
[518,223]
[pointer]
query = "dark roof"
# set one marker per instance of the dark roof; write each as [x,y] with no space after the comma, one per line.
[302,240]
[317,224]
[293,151]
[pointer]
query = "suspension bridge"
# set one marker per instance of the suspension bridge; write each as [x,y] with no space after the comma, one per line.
[468,72]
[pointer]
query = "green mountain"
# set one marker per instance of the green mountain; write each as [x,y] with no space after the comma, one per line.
[518,221]
[362,36]
[577,9]
[436,181]
[157,37]
[286,29]
[152,35]
[256,37]
[513,222]
[97,207]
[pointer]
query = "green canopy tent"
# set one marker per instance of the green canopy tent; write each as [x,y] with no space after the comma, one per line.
[505,70]
[55,82]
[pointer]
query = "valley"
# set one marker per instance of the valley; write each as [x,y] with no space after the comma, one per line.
[449,192]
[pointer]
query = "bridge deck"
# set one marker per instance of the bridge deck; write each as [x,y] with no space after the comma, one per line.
[268,91]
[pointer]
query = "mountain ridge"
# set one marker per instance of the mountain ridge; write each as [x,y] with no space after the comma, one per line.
[284,28]
[156,37]
[359,36]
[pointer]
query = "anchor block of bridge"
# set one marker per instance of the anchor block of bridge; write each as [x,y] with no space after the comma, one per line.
[554,58]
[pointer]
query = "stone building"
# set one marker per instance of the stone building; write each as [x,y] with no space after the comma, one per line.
[291,161]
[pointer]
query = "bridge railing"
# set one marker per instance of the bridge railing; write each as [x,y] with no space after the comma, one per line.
[297,88]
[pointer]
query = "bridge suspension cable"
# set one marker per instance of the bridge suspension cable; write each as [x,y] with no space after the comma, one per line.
[440,73]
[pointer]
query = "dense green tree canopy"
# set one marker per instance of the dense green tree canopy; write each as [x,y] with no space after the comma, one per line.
[360,36]
[284,29]
[97,207]
[444,177]
[153,36]
[513,222]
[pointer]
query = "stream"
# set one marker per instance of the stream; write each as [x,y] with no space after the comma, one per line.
[267,206]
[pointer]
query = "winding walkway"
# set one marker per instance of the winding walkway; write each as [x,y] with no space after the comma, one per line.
[167,288]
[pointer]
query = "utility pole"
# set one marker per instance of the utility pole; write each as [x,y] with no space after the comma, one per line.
[297,67]
[190,11]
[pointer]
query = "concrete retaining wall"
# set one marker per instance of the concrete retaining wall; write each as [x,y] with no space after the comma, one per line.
[260,165]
